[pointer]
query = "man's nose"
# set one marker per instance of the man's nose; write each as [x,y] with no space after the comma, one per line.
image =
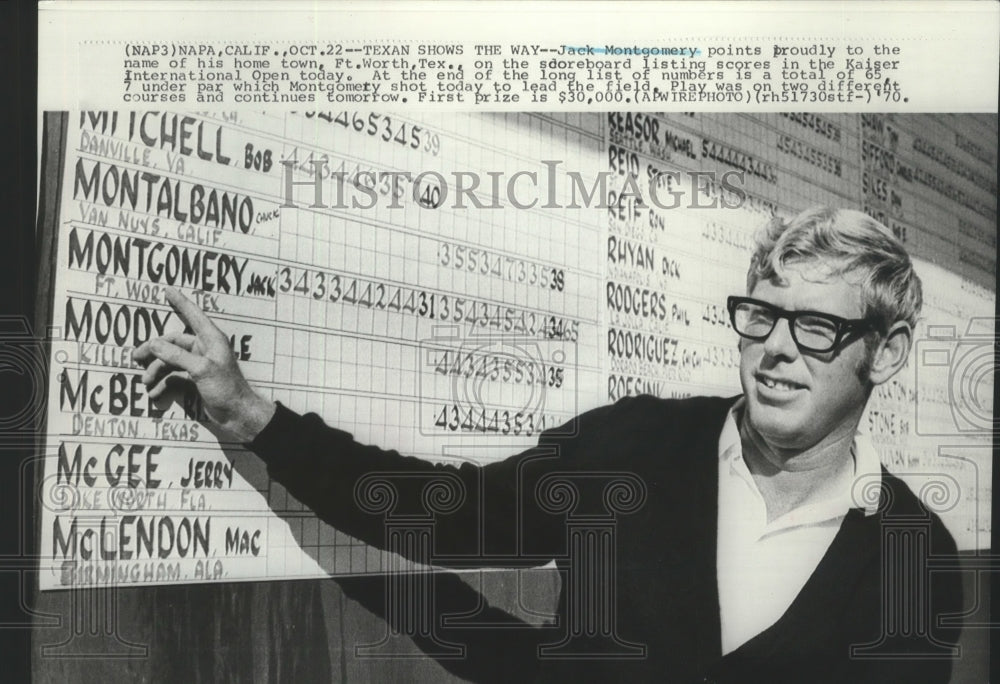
[780,342]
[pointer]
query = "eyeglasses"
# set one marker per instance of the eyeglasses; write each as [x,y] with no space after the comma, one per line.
[811,330]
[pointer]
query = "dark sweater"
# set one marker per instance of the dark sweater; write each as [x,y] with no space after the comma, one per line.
[648,469]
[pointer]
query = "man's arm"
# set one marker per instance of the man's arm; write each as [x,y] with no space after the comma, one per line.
[487,511]
[479,511]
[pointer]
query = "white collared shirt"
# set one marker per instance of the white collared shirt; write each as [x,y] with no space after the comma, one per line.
[762,566]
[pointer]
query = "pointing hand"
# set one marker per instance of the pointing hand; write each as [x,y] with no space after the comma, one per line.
[206,359]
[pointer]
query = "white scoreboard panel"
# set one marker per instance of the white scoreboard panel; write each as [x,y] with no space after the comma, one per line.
[451,285]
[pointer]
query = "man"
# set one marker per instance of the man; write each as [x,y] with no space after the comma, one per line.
[750,544]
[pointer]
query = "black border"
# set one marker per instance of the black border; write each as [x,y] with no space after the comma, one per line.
[18,259]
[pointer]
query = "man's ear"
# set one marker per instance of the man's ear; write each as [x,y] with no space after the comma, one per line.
[891,353]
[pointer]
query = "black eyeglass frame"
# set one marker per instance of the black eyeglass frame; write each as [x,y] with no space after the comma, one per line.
[843,326]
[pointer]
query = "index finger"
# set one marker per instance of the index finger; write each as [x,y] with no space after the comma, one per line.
[192,315]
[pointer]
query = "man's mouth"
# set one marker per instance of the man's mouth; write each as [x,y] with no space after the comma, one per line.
[778,385]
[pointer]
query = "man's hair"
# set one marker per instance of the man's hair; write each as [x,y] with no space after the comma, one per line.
[845,241]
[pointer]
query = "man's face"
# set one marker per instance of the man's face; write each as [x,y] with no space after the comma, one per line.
[794,398]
